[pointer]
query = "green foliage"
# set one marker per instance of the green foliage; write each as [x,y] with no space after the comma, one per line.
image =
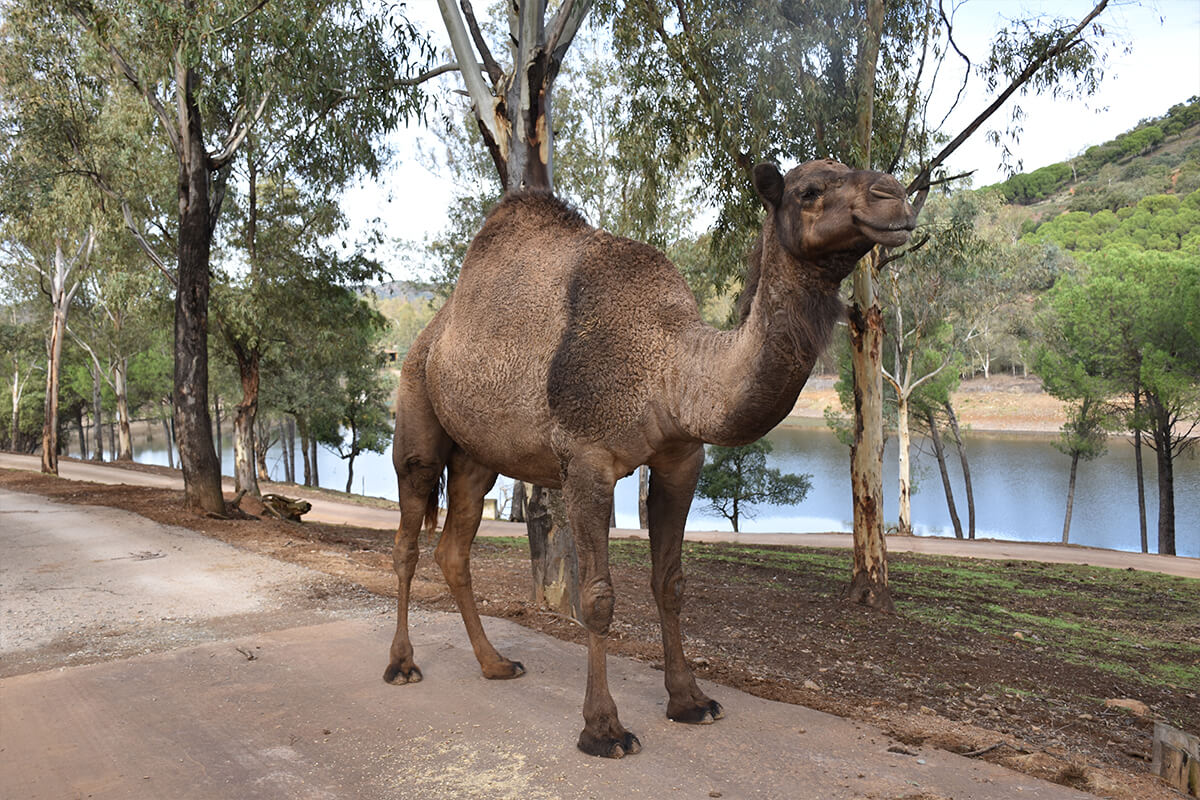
[736,478]
[1158,222]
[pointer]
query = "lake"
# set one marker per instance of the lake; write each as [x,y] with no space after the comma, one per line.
[1020,485]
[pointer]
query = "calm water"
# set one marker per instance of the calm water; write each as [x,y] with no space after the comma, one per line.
[1020,485]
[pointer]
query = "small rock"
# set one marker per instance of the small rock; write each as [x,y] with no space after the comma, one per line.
[1018,635]
[928,710]
[1087,717]
[714,794]
[1135,707]
[902,706]
[812,686]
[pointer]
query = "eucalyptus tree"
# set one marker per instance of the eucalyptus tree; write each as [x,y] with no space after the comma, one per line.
[22,343]
[755,80]
[223,66]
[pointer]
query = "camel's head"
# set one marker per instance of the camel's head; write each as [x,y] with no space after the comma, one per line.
[828,214]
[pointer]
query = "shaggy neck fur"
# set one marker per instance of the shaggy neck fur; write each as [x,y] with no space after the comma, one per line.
[746,380]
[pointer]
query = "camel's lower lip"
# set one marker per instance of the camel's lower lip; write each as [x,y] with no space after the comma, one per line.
[889,237]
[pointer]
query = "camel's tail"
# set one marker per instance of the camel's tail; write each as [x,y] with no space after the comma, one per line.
[431,506]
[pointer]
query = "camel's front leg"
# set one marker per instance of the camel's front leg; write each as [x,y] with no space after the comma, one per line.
[671,489]
[587,492]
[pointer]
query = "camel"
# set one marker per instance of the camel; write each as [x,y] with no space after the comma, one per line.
[568,357]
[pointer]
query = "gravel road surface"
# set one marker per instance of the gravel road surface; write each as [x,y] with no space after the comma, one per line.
[217,673]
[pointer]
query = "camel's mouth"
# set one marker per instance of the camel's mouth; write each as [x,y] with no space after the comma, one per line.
[891,234]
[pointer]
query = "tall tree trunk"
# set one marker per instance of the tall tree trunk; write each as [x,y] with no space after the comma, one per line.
[193,425]
[290,440]
[350,459]
[940,451]
[97,412]
[58,327]
[903,440]
[262,443]
[245,477]
[1070,498]
[966,469]
[1166,485]
[124,435]
[312,456]
[643,497]
[517,512]
[552,554]
[220,445]
[170,444]
[112,435]
[1137,460]
[83,447]
[303,425]
[869,581]
[17,390]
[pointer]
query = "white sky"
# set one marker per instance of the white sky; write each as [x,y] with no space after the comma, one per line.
[1156,65]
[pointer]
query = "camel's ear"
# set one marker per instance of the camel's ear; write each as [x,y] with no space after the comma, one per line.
[769,184]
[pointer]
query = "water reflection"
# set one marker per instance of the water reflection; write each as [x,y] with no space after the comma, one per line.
[1020,485]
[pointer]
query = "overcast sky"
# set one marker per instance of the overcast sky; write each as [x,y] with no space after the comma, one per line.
[1156,66]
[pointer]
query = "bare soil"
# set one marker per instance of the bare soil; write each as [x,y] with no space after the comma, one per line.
[1009,661]
[1006,403]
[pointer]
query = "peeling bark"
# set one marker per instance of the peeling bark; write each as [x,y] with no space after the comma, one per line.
[869,582]
[124,435]
[903,441]
[244,449]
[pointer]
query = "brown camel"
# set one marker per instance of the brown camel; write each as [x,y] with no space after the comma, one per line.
[568,357]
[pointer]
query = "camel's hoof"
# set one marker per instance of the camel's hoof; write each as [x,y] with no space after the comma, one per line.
[397,675]
[609,747]
[508,671]
[704,714]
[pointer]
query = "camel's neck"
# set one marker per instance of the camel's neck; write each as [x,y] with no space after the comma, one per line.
[741,383]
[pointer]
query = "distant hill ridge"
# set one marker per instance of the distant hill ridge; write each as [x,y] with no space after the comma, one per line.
[1160,155]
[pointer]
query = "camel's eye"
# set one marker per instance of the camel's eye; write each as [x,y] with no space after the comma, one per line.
[807,194]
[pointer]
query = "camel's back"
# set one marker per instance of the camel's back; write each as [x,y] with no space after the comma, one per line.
[553,324]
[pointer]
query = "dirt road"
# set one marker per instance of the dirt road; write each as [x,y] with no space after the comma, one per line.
[325,510]
[217,673]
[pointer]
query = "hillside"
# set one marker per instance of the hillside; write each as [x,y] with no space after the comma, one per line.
[1159,156]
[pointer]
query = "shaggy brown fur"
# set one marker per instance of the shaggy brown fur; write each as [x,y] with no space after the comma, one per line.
[567,357]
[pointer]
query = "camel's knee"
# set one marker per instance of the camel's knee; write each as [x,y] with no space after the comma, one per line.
[404,554]
[453,562]
[669,591]
[597,601]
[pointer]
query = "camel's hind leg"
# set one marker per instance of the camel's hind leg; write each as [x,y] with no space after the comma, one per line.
[419,453]
[671,489]
[468,482]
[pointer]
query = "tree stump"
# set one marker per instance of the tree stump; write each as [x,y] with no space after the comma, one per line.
[286,507]
[1176,758]
[552,553]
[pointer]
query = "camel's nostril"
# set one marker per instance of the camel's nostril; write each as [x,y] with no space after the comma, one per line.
[887,192]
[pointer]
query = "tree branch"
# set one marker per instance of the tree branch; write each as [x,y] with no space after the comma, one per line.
[484,100]
[131,75]
[489,63]
[246,15]
[921,182]
[145,245]
[238,134]
[564,26]
[427,75]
